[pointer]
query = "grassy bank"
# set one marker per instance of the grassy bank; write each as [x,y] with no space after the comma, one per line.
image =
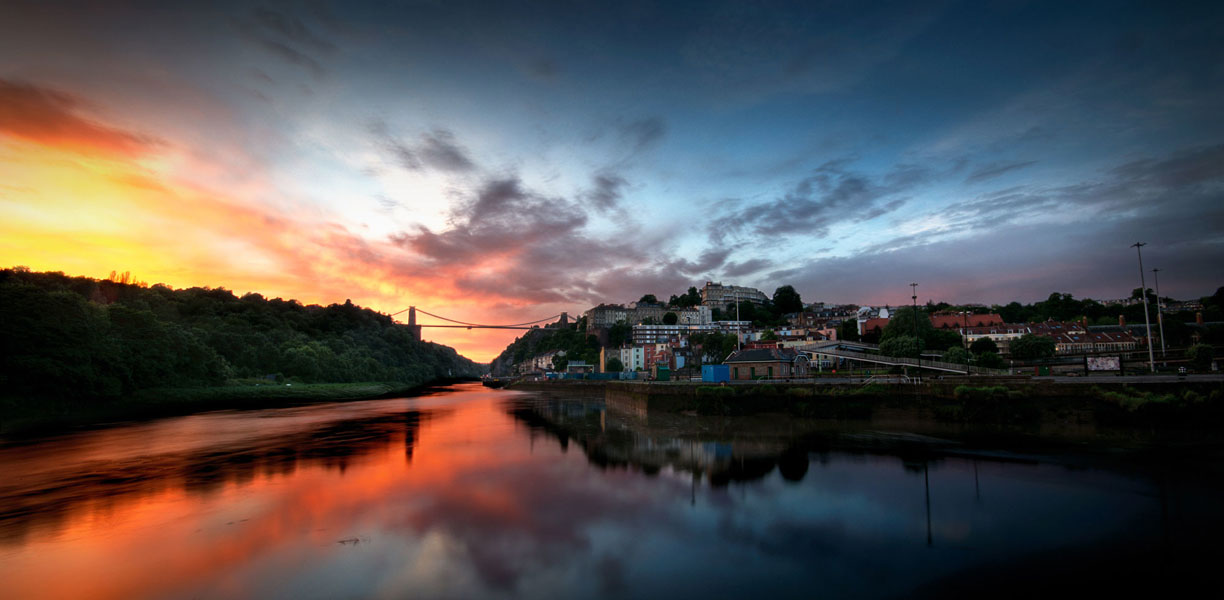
[29,416]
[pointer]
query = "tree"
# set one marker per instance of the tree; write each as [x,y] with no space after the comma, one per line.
[670,318]
[614,365]
[983,345]
[1030,346]
[942,339]
[1200,356]
[902,346]
[989,360]
[769,335]
[956,355]
[648,299]
[620,333]
[559,362]
[787,300]
[848,331]
[902,324]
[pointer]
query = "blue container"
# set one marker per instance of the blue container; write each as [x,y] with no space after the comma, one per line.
[715,373]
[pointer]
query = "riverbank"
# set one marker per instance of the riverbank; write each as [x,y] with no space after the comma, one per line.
[27,417]
[1002,401]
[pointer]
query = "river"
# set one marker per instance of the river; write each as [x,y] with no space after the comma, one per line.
[467,492]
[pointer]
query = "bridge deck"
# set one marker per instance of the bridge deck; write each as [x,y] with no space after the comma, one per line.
[837,349]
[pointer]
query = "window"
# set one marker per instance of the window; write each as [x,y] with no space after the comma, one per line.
[752,372]
[771,372]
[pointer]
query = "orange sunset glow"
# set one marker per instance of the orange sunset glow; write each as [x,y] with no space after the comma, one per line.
[88,199]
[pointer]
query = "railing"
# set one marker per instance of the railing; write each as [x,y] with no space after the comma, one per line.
[902,361]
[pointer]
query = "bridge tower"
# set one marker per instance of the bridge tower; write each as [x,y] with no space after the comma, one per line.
[412,324]
[564,319]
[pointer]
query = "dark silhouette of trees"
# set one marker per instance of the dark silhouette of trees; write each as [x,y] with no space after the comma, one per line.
[80,338]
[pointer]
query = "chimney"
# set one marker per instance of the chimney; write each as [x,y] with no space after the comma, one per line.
[1121,320]
[1084,323]
[1198,318]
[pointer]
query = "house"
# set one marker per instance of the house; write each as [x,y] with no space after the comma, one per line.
[767,363]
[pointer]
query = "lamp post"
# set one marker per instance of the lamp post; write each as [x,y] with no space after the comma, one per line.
[965,338]
[1138,246]
[1159,313]
[737,321]
[914,297]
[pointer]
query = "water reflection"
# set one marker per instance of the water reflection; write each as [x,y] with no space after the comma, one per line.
[475,493]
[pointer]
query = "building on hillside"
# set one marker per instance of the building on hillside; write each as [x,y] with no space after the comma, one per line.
[1001,334]
[633,357]
[717,295]
[767,363]
[653,334]
[606,315]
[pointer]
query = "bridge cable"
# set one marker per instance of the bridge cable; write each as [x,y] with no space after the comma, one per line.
[422,311]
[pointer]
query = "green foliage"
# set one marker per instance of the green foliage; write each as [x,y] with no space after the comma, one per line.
[848,330]
[1200,356]
[989,360]
[620,334]
[559,362]
[1031,346]
[786,300]
[670,318]
[956,354]
[983,345]
[648,299]
[689,299]
[769,335]
[76,338]
[614,365]
[902,346]
[902,323]
[942,339]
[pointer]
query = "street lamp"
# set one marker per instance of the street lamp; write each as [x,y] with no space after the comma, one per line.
[917,344]
[1159,313]
[1138,246]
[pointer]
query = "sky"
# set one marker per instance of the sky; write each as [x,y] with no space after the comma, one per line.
[499,162]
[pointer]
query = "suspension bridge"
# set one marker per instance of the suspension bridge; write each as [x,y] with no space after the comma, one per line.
[452,323]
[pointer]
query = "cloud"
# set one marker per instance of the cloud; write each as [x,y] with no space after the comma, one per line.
[606,192]
[996,169]
[833,193]
[291,28]
[1074,238]
[51,118]
[746,267]
[643,133]
[287,37]
[435,149]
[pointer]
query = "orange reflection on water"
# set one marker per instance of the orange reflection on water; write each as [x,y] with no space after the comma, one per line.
[173,528]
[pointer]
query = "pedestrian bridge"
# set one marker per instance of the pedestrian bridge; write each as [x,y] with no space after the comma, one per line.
[868,353]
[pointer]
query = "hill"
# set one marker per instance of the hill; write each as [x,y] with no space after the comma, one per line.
[77,338]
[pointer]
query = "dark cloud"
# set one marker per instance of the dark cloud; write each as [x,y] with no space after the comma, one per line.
[833,193]
[287,37]
[708,260]
[436,149]
[292,56]
[542,68]
[745,267]
[509,241]
[52,117]
[643,133]
[996,169]
[292,29]
[606,192]
[1074,238]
